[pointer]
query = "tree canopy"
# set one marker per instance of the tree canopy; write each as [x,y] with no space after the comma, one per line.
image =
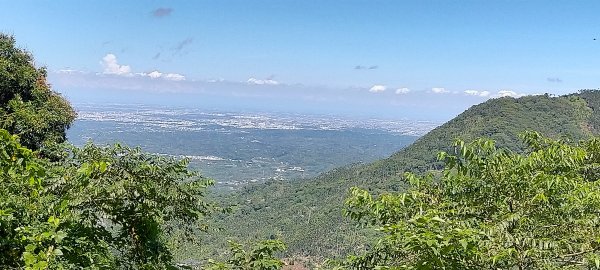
[490,209]
[102,207]
[28,106]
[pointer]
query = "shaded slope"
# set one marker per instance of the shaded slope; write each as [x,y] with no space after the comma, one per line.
[308,214]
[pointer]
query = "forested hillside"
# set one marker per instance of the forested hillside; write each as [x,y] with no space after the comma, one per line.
[308,214]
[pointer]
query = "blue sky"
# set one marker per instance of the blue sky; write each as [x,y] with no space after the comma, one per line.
[416,59]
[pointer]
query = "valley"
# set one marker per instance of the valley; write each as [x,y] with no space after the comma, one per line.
[236,148]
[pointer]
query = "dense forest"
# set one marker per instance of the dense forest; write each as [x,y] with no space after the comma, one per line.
[508,184]
[308,214]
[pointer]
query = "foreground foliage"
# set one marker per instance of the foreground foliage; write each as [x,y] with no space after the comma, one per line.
[490,209]
[100,208]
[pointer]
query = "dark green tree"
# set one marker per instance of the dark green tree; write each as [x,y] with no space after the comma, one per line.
[28,106]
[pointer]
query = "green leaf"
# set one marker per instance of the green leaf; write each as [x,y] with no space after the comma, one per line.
[57,252]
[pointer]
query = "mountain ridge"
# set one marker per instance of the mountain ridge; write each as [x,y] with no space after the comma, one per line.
[307,214]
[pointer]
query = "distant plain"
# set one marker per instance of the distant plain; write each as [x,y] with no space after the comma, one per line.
[235,148]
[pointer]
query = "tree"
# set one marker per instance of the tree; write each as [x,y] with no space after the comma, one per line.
[490,209]
[28,106]
[99,208]
[141,197]
[30,236]
[259,257]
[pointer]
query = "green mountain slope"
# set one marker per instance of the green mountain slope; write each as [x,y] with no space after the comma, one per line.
[307,214]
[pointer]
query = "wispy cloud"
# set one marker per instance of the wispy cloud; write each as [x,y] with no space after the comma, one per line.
[215,80]
[174,77]
[268,81]
[439,90]
[182,45]
[378,88]
[112,66]
[477,93]
[159,75]
[359,67]
[162,12]
[402,90]
[554,80]
[69,71]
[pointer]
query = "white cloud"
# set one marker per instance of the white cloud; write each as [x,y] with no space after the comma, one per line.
[174,77]
[378,88]
[439,90]
[501,93]
[477,93]
[159,75]
[155,74]
[111,66]
[402,90]
[262,82]
[508,93]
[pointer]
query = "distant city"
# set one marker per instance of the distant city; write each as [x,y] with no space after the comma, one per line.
[236,148]
[162,118]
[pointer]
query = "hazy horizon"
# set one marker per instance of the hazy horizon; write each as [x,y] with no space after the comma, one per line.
[425,60]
